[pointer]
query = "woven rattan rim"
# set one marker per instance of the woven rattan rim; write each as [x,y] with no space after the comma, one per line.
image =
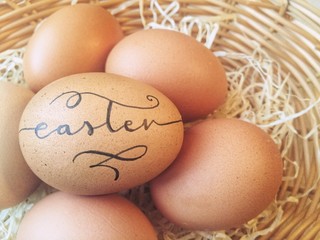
[288,32]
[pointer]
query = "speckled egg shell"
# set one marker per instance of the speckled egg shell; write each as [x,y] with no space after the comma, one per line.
[98,133]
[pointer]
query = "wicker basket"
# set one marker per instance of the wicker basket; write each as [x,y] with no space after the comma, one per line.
[278,39]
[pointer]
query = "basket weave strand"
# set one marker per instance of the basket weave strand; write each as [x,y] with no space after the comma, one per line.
[288,33]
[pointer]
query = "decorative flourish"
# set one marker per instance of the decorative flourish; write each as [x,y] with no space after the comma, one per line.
[118,156]
[78,96]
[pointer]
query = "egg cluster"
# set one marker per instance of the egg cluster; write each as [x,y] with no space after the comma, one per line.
[106,113]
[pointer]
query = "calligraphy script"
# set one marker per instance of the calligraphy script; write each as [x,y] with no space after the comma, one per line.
[73,100]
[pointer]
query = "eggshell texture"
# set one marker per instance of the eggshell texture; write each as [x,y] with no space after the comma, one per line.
[98,133]
[177,65]
[17,180]
[228,171]
[64,216]
[75,39]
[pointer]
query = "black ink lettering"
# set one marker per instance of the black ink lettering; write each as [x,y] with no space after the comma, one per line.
[75,100]
[40,126]
[64,129]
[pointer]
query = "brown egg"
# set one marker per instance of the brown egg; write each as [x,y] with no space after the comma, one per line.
[17,180]
[177,65]
[98,133]
[228,171]
[75,39]
[63,216]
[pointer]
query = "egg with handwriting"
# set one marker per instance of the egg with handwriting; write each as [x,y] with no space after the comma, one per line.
[97,133]
[74,39]
[176,64]
[66,216]
[17,181]
[228,171]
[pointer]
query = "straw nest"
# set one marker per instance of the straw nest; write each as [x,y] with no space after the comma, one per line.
[271,52]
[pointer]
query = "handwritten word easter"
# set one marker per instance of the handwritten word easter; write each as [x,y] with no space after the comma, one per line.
[73,99]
